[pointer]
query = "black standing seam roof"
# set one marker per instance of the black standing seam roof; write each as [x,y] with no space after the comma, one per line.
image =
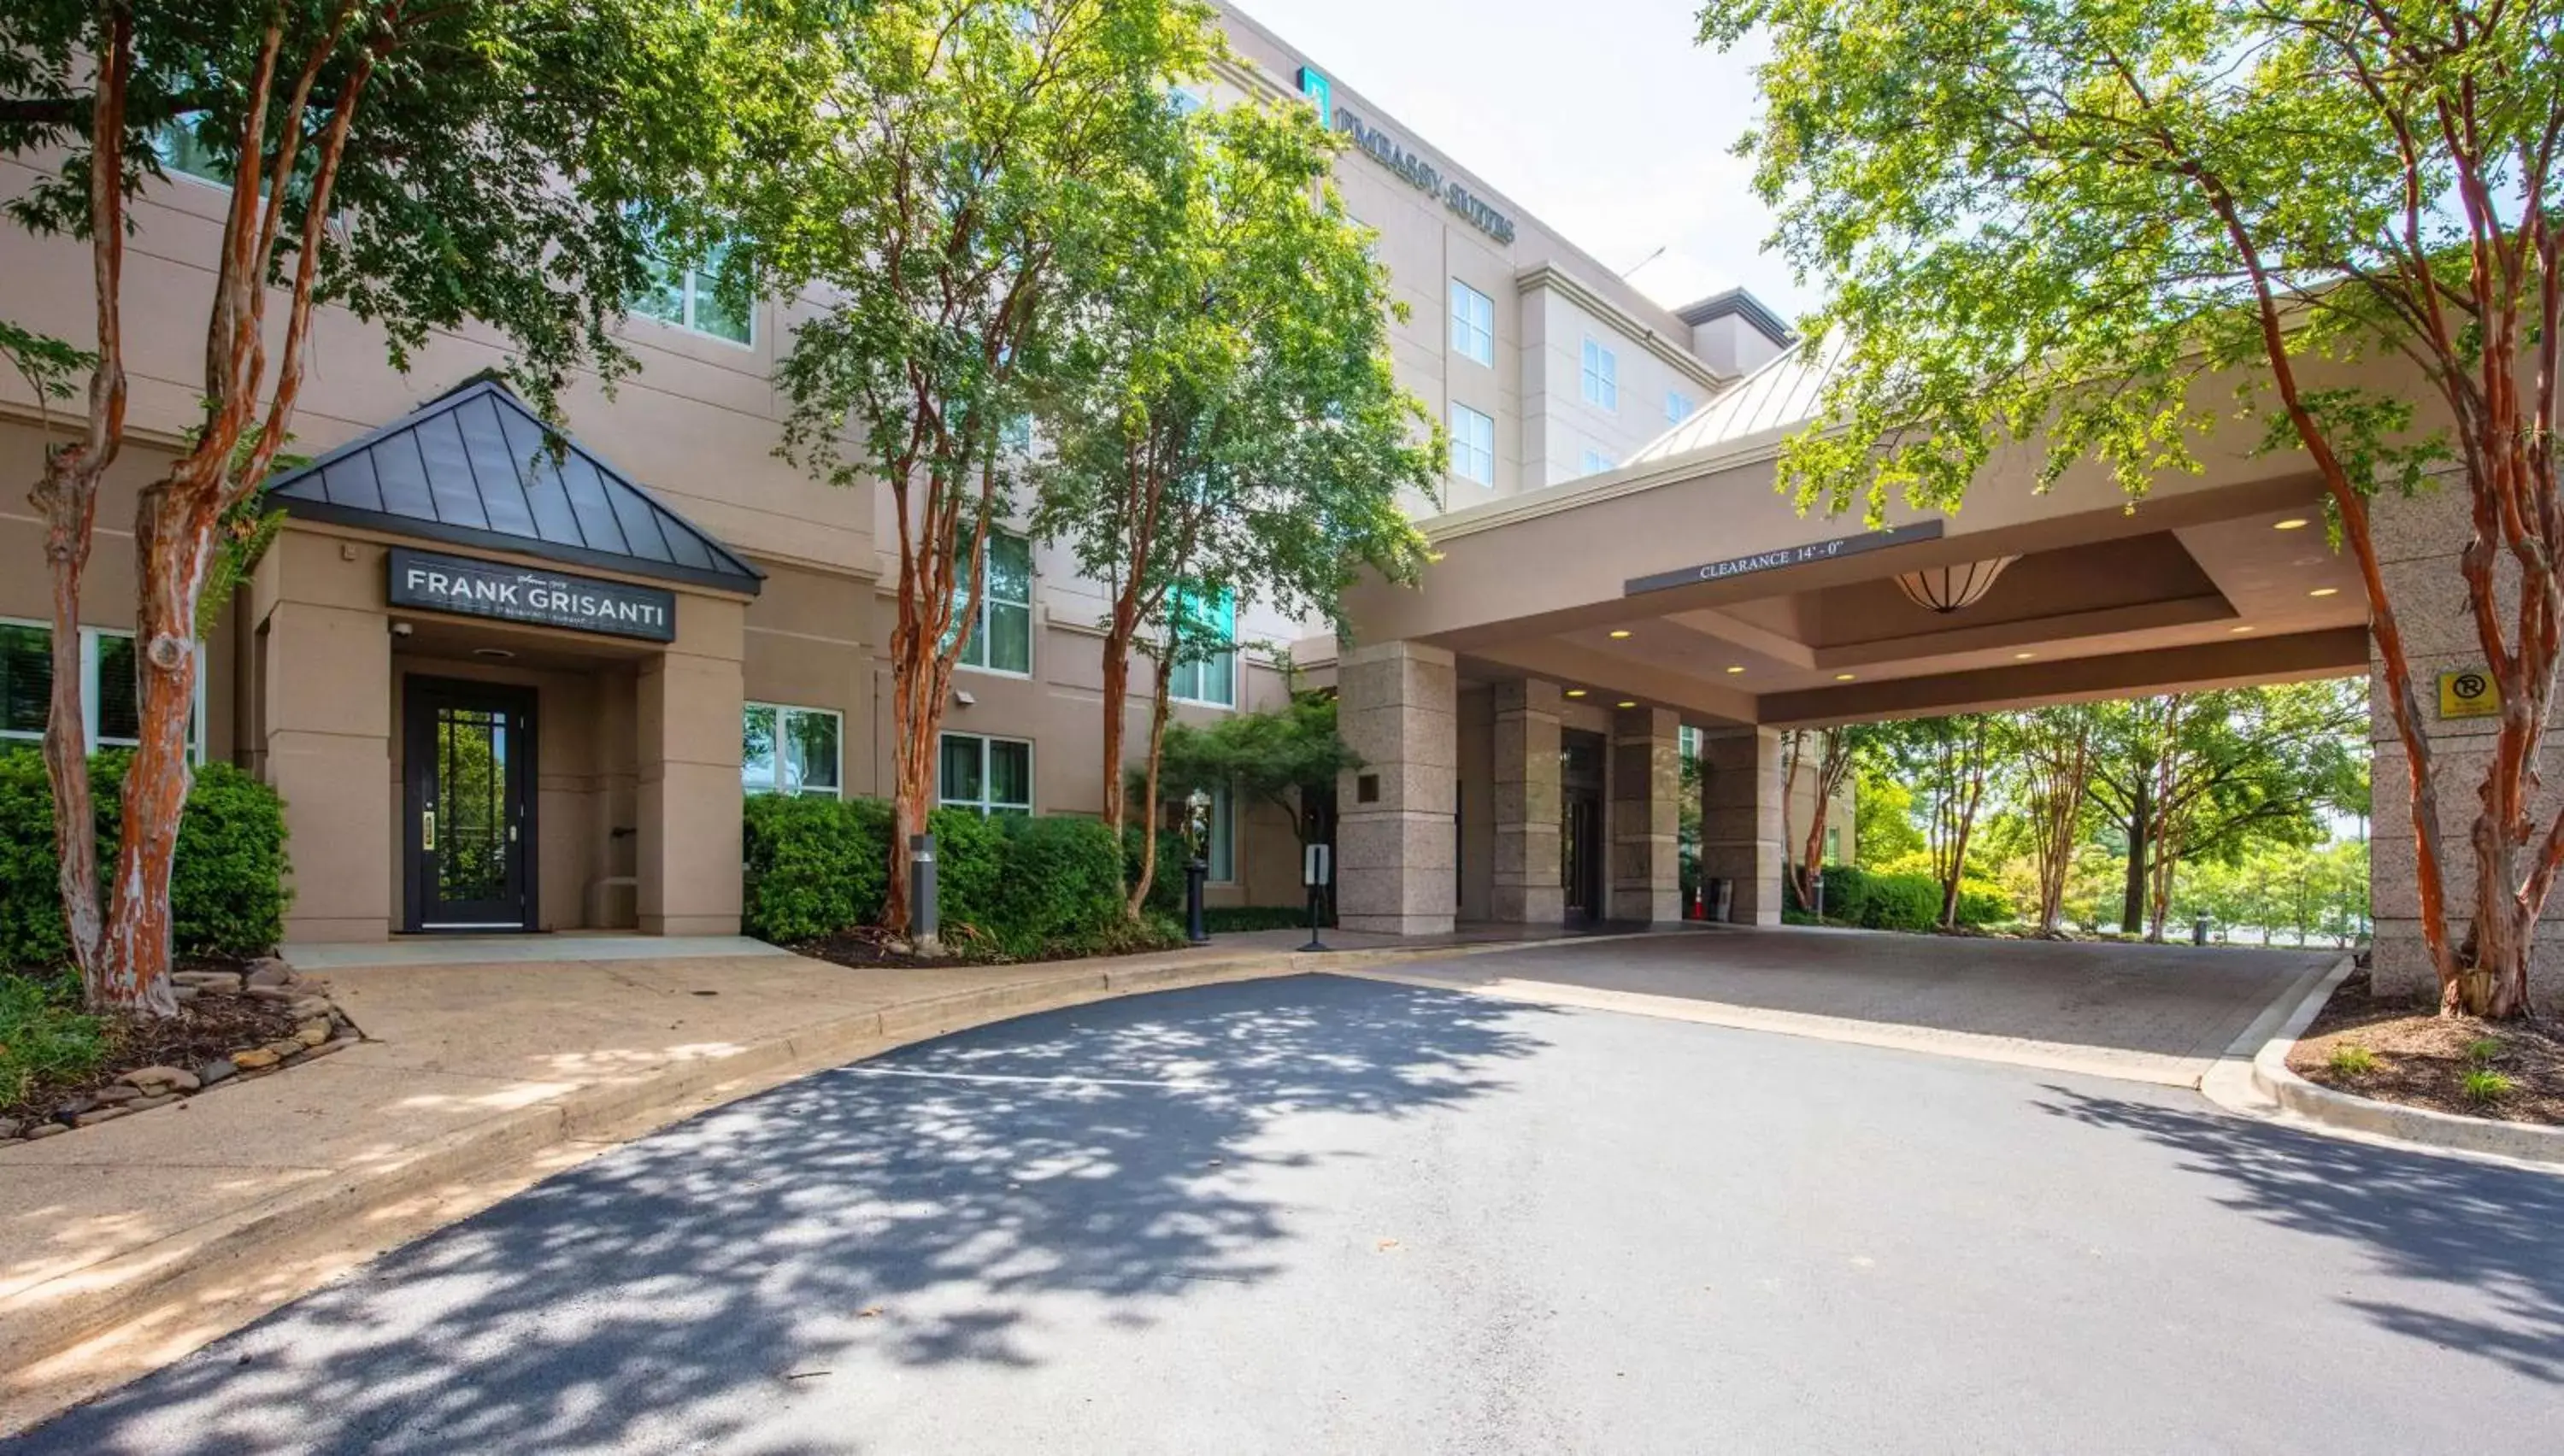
[475,468]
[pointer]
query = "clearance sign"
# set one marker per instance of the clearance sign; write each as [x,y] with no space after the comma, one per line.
[2468,692]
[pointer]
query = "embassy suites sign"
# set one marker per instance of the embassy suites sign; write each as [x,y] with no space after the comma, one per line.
[1424,176]
[432,582]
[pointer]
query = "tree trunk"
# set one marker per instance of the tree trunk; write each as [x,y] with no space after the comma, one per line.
[1117,698]
[1149,783]
[2140,827]
[1793,748]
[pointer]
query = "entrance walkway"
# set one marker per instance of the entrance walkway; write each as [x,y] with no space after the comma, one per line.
[2154,1013]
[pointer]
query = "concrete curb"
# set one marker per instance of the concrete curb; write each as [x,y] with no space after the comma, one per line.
[194,1279]
[2256,1082]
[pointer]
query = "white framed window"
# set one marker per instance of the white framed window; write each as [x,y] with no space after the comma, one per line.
[687,297]
[1602,375]
[1678,406]
[1834,844]
[1001,637]
[1473,323]
[1473,445]
[791,751]
[986,775]
[1183,101]
[1221,851]
[176,147]
[1211,680]
[1595,462]
[1687,741]
[111,687]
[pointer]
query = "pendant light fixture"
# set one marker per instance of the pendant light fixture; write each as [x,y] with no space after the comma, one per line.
[1946,589]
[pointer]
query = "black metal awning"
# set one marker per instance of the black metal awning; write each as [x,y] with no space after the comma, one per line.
[477,468]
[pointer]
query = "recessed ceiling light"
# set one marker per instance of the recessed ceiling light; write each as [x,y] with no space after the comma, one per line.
[1843,676]
[2023,656]
[1575,692]
[1740,667]
[1627,703]
[2325,591]
[2294,523]
[1620,632]
[2246,627]
[495,654]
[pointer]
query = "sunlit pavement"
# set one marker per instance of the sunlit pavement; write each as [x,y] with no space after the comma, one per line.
[1323,1214]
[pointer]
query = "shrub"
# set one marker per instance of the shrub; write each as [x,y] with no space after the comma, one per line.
[2350,1058]
[1166,890]
[227,893]
[814,866]
[1061,883]
[970,869]
[1984,902]
[1238,919]
[2485,1085]
[1901,903]
[43,1035]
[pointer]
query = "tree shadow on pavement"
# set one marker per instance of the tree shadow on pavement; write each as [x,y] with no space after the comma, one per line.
[2497,1231]
[908,1209]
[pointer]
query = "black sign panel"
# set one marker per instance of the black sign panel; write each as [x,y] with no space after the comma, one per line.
[1773,561]
[436,583]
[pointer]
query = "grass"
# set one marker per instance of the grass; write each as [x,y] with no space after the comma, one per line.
[2485,1085]
[2483,1052]
[43,1035]
[2350,1058]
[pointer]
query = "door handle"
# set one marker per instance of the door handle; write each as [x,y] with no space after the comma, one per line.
[427,830]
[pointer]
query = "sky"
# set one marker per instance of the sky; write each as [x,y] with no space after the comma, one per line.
[1604,119]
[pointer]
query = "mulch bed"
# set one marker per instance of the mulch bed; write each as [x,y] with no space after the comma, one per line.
[217,1036]
[867,948]
[2423,1058]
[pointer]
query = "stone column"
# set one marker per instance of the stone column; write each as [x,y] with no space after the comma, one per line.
[1526,819]
[325,673]
[1740,819]
[688,851]
[1647,781]
[1395,858]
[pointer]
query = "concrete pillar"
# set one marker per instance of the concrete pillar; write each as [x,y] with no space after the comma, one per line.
[1740,819]
[1526,818]
[1646,780]
[325,677]
[687,721]
[1395,851]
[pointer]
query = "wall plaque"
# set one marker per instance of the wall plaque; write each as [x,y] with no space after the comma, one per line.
[1775,560]
[438,583]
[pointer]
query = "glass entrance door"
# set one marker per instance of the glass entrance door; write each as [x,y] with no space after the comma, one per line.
[1579,830]
[470,752]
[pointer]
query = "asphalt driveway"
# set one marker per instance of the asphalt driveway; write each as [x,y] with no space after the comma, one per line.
[1325,1214]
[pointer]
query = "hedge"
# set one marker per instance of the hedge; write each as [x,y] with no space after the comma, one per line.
[227,892]
[1904,902]
[1025,886]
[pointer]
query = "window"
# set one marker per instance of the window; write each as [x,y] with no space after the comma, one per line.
[1184,100]
[1222,849]
[175,144]
[1596,463]
[990,775]
[1002,640]
[791,751]
[1016,435]
[1212,679]
[1602,376]
[689,299]
[1473,323]
[1834,844]
[110,687]
[1313,85]
[1678,406]
[1473,445]
[1687,740]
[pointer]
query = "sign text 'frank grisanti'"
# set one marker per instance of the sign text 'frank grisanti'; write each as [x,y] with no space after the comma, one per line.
[431,583]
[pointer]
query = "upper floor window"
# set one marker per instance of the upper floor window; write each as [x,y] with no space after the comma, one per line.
[1473,323]
[175,144]
[1678,406]
[1208,678]
[110,687]
[987,775]
[1184,100]
[1002,639]
[1602,376]
[791,751]
[689,298]
[1473,445]
[1596,463]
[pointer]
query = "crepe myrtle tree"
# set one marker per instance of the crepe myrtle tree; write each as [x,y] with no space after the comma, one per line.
[420,165]
[2050,225]
[958,216]
[1228,429]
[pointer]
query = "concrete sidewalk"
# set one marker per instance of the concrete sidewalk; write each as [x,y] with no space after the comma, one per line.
[131,1242]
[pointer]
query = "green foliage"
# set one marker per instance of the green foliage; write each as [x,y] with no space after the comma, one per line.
[2486,1086]
[45,1037]
[2483,1051]
[1884,818]
[1905,902]
[1238,919]
[227,891]
[2350,1058]
[1274,756]
[1166,890]
[1010,884]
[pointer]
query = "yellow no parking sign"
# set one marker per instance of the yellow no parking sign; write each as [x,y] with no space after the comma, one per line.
[2468,692]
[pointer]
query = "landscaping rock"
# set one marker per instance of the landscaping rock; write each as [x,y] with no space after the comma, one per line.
[307,1006]
[187,994]
[215,1071]
[161,1079]
[272,993]
[212,980]
[112,1096]
[145,1104]
[285,1047]
[339,1044]
[74,1108]
[10,1128]
[254,1058]
[103,1114]
[314,1032]
[47,1130]
[269,971]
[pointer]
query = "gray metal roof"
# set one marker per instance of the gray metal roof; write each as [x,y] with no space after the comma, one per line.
[477,468]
